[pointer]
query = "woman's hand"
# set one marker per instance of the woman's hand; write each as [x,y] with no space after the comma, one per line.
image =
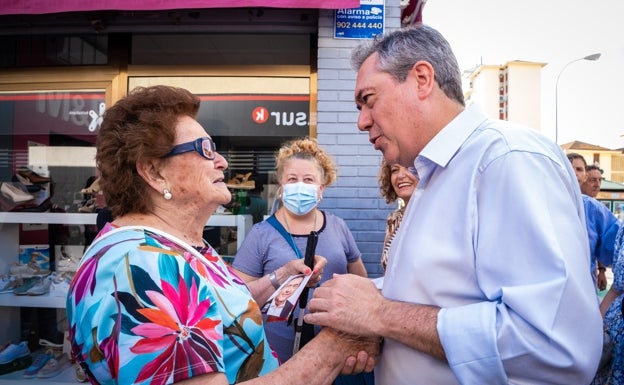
[297,266]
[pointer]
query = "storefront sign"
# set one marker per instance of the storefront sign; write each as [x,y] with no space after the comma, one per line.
[364,22]
[253,115]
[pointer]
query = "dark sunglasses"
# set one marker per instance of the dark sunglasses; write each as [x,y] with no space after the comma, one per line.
[203,146]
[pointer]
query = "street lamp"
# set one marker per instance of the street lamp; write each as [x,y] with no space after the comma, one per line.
[592,57]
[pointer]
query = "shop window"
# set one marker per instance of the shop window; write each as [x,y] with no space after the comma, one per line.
[53,50]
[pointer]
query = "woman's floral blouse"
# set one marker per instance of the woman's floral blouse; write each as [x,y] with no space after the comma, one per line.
[143,309]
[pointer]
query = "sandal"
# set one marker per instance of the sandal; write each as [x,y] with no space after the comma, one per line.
[241,182]
[93,188]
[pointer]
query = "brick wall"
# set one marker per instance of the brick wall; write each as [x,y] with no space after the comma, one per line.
[355,195]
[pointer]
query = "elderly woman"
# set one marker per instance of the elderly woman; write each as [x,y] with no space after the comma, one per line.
[152,302]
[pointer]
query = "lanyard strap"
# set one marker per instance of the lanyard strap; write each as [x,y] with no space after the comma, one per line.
[278,226]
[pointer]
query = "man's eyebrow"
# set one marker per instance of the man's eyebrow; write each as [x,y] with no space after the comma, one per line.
[359,97]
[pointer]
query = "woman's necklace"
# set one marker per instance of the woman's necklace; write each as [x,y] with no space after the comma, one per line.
[288,227]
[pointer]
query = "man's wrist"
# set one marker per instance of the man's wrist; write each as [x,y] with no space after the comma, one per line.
[602,268]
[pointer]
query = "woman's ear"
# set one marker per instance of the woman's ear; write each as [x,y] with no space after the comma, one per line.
[320,191]
[148,170]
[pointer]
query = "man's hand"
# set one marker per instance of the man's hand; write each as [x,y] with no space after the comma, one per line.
[602,279]
[348,303]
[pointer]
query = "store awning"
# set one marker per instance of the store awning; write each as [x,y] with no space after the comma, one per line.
[31,7]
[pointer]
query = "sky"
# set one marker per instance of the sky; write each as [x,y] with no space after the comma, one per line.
[588,104]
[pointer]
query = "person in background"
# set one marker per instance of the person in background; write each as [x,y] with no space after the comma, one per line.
[602,226]
[303,171]
[487,277]
[256,205]
[396,183]
[611,369]
[591,186]
[151,302]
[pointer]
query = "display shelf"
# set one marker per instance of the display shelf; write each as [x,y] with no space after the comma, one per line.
[57,218]
[10,299]
[66,376]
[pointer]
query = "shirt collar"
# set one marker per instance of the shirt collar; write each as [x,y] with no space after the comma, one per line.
[441,149]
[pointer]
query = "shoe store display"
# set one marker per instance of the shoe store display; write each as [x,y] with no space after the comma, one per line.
[88,206]
[13,352]
[60,285]
[30,186]
[29,270]
[14,193]
[54,366]
[81,376]
[68,257]
[40,360]
[8,283]
[94,188]
[241,182]
[41,286]
[32,176]
[27,284]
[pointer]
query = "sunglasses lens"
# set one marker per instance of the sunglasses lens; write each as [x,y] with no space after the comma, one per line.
[209,148]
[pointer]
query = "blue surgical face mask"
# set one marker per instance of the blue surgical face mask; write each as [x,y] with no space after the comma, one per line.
[300,198]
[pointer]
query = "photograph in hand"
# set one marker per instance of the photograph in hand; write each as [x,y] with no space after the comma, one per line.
[281,304]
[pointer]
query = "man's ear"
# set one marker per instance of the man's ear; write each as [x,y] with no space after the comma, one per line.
[423,75]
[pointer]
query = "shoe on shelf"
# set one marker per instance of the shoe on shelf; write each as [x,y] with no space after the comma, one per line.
[8,283]
[15,365]
[81,376]
[13,352]
[241,182]
[88,206]
[32,176]
[60,285]
[30,186]
[27,284]
[68,257]
[38,363]
[93,188]
[41,287]
[14,193]
[54,366]
[27,270]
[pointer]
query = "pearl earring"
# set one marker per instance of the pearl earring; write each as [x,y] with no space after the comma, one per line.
[167,194]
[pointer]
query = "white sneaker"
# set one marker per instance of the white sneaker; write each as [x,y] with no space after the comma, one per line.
[42,287]
[68,257]
[28,270]
[60,285]
[14,193]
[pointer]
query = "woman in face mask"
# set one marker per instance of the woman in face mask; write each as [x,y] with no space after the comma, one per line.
[267,257]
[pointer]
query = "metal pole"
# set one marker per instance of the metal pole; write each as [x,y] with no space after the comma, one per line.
[592,57]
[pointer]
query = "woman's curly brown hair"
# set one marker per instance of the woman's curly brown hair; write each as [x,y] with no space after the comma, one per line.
[385,183]
[306,148]
[140,126]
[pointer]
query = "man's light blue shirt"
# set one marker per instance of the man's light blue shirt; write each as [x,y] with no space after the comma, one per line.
[602,227]
[495,235]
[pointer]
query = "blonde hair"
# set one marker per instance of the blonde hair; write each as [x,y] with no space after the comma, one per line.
[306,148]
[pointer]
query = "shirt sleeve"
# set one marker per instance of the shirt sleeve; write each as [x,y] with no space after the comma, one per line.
[532,266]
[352,252]
[602,227]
